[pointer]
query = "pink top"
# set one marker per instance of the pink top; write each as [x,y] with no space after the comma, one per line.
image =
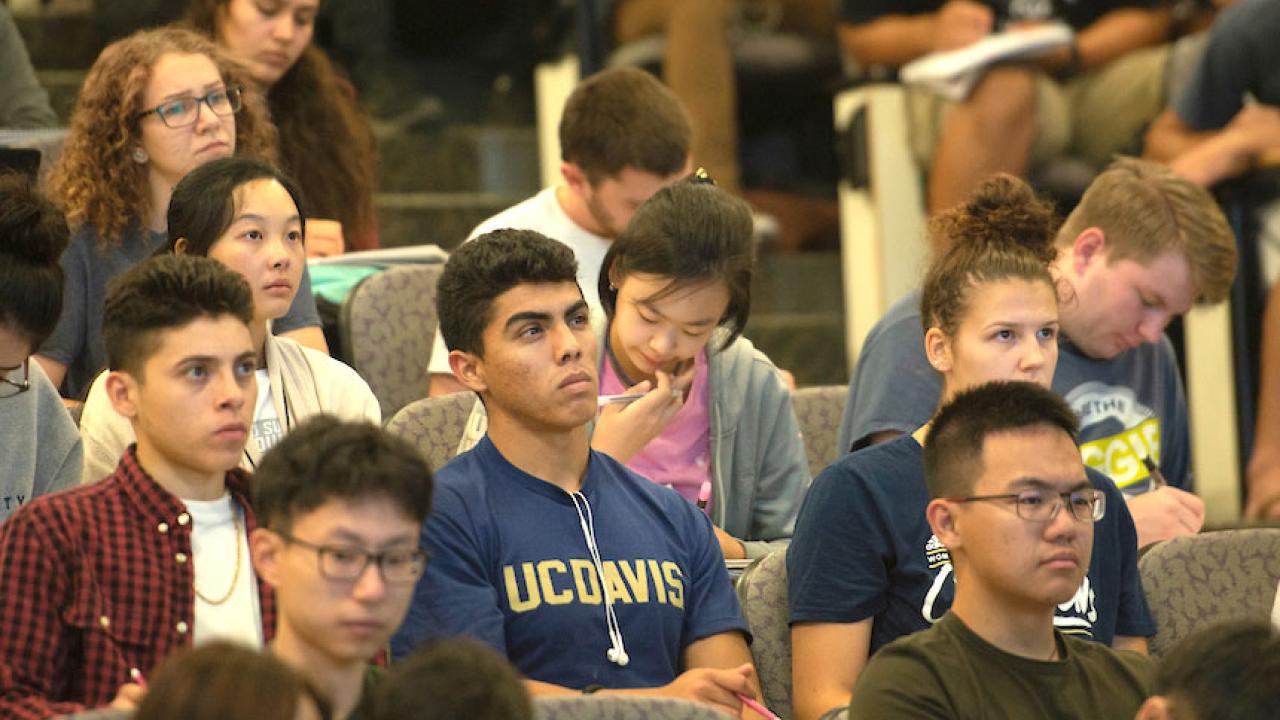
[680,457]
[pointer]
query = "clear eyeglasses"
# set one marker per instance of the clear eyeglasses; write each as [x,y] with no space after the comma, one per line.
[1038,505]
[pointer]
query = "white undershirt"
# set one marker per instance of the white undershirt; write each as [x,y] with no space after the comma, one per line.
[213,542]
[266,430]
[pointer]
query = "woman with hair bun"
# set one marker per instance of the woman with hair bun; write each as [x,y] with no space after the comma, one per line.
[154,106]
[43,452]
[864,567]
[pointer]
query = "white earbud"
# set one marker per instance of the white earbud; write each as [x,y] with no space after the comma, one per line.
[617,652]
[618,656]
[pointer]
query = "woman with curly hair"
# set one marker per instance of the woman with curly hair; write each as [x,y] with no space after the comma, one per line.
[325,138]
[153,107]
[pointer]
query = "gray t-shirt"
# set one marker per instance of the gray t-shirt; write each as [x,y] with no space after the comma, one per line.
[42,451]
[77,340]
[23,102]
[1131,406]
[1242,58]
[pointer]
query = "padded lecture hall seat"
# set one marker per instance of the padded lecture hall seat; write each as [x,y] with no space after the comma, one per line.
[1197,581]
[434,425]
[387,327]
[762,590]
[619,707]
[818,410]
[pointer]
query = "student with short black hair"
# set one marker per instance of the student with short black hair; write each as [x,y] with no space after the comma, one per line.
[45,453]
[1225,671]
[458,679]
[342,505]
[585,575]
[246,214]
[101,582]
[623,137]
[1013,506]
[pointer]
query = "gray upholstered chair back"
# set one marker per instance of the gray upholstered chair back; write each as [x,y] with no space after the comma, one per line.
[762,590]
[619,707]
[387,327]
[434,425]
[818,410]
[1197,581]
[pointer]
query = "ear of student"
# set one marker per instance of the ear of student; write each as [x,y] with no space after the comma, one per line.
[180,246]
[938,348]
[1089,246]
[264,550]
[574,177]
[468,369]
[942,520]
[122,391]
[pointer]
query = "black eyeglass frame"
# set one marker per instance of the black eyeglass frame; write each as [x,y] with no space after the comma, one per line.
[1097,506]
[235,97]
[18,387]
[322,551]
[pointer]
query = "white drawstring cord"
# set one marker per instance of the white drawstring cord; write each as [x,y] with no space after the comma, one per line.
[617,653]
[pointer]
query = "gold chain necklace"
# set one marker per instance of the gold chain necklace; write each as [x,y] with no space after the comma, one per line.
[235,575]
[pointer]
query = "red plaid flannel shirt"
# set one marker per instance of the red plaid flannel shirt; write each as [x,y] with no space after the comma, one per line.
[96,580]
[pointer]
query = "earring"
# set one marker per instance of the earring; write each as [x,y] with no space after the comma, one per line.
[613,288]
[139,155]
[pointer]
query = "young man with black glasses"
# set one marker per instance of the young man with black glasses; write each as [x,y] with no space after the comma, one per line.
[1013,506]
[44,452]
[342,506]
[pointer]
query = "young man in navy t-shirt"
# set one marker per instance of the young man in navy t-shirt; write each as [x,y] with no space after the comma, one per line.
[585,575]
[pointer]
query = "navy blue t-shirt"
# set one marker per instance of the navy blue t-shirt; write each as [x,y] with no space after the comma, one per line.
[1241,59]
[863,549]
[510,566]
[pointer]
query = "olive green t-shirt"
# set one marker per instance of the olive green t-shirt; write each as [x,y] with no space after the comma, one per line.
[949,672]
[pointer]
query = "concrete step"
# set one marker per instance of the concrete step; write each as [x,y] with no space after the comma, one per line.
[416,218]
[460,158]
[798,282]
[60,41]
[809,345]
[797,315]
[63,87]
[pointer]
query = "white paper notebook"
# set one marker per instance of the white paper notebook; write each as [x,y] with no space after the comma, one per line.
[953,74]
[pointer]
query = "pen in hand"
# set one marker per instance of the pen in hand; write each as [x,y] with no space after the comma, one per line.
[1157,477]
[624,398]
[761,710]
